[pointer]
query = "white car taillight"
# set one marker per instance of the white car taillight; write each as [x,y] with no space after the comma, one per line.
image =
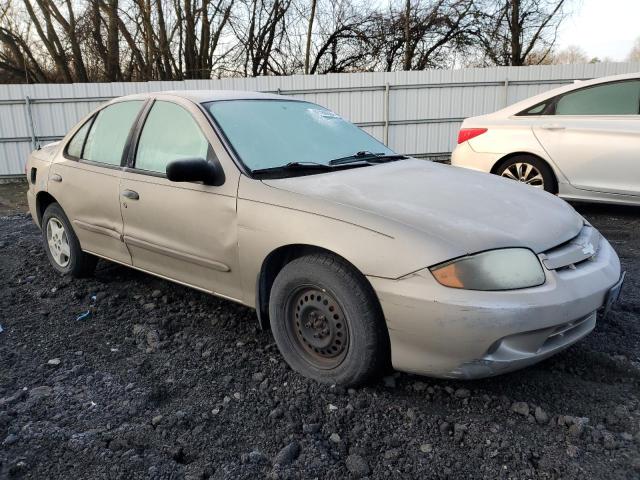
[468,133]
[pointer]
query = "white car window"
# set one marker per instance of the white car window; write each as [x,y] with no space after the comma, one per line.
[108,135]
[619,98]
[170,133]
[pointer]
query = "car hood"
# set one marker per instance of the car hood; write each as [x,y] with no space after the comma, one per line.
[467,210]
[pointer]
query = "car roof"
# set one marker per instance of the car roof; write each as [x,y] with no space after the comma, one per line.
[531,101]
[203,96]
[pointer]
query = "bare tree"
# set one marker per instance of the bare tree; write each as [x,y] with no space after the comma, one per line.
[515,32]
[422,33]
[570,55]
[137,40]
[634,54]
[342,41]
[260,30]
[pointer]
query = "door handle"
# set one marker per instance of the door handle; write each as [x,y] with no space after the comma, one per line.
[56,178]
[552,126]
[130,194]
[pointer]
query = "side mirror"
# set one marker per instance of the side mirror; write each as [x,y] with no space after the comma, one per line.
[195,170]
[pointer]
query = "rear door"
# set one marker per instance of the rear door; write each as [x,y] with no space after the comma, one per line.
[184,231]
[86,179]
[593,136]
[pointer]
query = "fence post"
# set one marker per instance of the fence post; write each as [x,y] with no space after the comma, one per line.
[506,92]
[32,130]
[386,114]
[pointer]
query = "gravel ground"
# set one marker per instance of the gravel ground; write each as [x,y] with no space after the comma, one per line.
[165,382]
[13,196]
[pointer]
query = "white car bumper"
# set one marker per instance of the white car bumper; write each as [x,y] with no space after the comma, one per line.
[464,156]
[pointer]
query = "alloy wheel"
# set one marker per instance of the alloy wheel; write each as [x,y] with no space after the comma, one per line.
[58,242]
[524,173]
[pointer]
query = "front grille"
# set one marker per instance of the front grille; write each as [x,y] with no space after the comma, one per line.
[541,341]
[568,332]
[570,255]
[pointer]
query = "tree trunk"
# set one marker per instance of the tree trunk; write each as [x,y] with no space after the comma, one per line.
[307,52]
[113,47]
[516,33]
[407,37]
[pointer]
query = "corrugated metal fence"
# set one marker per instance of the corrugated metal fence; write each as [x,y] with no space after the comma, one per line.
[417,113]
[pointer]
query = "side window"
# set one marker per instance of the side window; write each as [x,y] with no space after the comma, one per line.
[535,110]
[74,148]
[169,133]
[108,135]
[620,98]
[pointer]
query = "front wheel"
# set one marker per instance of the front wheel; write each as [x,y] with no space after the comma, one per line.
[529,170]
[62,245]
[327,322]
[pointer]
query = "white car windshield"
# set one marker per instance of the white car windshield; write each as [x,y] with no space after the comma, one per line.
[274,133]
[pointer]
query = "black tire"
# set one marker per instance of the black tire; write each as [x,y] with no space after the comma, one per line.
[79,264]
[549,182]
[352,346]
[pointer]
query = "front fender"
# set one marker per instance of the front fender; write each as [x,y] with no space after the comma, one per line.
[270,218]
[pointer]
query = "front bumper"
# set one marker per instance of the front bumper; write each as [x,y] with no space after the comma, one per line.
[31,201]
[453,333]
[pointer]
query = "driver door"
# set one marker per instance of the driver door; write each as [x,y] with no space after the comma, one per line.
[186,232]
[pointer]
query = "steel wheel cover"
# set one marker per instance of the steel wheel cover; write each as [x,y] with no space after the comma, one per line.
[317,327]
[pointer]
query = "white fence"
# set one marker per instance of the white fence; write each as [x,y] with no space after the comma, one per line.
[416,113]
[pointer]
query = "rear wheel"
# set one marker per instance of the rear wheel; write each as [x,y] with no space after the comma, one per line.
[62,245]
[529,170]
[327,322]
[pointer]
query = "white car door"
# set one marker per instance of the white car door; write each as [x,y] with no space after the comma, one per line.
[593,136]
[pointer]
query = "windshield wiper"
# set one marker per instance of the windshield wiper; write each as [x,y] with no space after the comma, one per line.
[367,157]
[294,166]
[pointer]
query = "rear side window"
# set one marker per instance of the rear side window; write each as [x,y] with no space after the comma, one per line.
[620,98]
[74,148]
[108,135]
[170,133]
[536,109]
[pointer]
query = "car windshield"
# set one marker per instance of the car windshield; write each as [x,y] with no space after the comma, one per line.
[270,134]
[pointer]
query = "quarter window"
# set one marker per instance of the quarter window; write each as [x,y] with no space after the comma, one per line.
[108,135]
[74,148]
[170,133]
[620,98]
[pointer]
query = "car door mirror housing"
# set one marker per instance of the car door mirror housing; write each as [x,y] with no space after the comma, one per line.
[195,170]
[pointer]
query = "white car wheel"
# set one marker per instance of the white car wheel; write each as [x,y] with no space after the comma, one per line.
[530,170]
[525,173]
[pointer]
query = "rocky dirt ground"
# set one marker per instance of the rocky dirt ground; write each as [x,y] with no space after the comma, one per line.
[12,197]
[165,382]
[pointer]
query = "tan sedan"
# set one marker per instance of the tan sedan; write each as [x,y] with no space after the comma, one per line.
[356,256]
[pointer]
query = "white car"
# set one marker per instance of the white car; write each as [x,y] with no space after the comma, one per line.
[580,141]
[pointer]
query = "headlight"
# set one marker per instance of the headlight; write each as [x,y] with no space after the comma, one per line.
[504,269]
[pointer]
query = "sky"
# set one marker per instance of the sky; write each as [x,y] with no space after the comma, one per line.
[602,28]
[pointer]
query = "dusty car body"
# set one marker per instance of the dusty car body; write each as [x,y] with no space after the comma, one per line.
[382,231]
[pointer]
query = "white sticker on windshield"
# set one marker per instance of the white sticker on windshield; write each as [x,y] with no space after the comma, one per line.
[323,115]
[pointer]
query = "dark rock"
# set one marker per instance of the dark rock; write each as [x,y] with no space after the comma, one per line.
[257,457]
[357,466]
[288,454]
[541,416]
[521,408]
[462,393]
